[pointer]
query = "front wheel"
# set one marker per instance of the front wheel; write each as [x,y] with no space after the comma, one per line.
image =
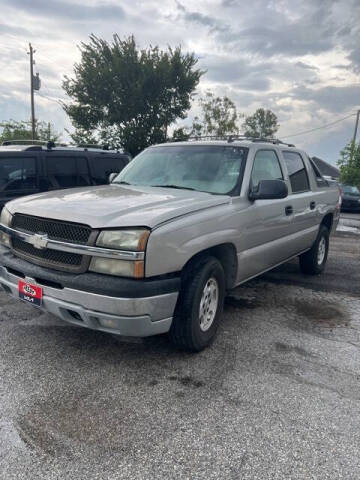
[313,262]
[201,300]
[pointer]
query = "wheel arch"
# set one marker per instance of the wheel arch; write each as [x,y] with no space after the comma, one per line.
[225,253]
[328,221]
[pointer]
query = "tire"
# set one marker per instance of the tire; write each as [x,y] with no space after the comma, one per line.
[198,311]
[313,262]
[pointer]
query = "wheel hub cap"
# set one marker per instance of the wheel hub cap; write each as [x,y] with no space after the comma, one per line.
[208,304]
[321,251]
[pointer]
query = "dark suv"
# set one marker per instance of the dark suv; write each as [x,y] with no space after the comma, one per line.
[350,198]
[28,169]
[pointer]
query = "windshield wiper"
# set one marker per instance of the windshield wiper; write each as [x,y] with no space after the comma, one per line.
[179,187]
[122,182]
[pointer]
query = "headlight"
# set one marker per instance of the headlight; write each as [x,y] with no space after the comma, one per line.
[5,219]
[134,239]
[127,239]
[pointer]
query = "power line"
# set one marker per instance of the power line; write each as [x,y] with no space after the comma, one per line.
[50,99]
[319,128]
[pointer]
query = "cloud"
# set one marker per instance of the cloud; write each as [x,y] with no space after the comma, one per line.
[306,66]
[333,99]
[301,59]
[70,10]
[12,30]
[200,18]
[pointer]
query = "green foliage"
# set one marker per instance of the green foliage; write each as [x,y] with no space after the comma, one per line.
[181,134]
[14,130]
[218,117]
[82,136]
[126,96]
[349,164]
[262,124]
[45,131]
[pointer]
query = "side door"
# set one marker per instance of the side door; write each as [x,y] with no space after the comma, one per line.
[102,165]
[18,175]
[302,201]
[65,170]
[268,223]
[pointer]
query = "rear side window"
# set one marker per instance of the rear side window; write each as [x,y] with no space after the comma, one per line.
[266,167]
[319,178]
[18,173]
[297,172]
[102,165]
[67,171]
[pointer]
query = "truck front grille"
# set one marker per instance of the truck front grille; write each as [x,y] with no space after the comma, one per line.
[56,230]
[55,257]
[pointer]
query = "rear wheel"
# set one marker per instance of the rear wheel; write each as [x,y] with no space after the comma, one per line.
[201,300]
[313,262]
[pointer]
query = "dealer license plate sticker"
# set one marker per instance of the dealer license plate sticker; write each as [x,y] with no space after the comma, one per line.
[30,293]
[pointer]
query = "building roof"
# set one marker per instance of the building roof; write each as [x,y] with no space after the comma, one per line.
[326,169]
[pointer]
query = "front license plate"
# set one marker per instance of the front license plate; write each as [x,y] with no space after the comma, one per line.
[30,293]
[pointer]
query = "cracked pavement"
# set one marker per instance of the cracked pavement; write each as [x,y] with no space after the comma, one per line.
[275,397]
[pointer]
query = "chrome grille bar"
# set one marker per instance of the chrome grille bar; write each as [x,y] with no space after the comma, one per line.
[75,248]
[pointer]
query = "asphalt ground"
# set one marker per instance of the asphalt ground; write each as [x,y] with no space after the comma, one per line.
[275,397]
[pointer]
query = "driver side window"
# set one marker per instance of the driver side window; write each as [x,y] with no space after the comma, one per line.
[266,167]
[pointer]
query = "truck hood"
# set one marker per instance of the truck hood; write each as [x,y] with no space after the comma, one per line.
[116,205]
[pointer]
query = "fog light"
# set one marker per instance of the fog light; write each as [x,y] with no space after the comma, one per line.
[121,268]
[108,322]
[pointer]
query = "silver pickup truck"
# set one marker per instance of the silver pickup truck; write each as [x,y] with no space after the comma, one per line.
[157,249]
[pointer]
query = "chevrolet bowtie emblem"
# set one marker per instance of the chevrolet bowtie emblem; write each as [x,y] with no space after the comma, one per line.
[39,241]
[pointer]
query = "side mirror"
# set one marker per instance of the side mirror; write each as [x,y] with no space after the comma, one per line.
[112,176]
[269,190]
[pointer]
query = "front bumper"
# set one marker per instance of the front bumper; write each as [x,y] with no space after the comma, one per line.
[134,315]
[350,207]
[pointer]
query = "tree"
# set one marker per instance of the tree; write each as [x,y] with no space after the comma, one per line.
[349,164]
[219,117]
[262,124]
[21,130]
[126,96]
[181,134]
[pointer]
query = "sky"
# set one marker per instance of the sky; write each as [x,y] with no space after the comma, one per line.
[301,59]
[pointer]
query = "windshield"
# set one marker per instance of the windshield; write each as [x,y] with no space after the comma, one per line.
[350,189]
[212,169]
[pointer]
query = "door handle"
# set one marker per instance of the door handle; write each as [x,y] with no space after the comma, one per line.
[312,205]
[289,210]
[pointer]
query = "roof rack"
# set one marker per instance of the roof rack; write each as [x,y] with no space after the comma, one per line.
[38,143]
[6,143]
[93,145]
[49,145]
[105,147]
[232,138]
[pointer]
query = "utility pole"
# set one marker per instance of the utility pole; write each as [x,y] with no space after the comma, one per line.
[353,144]
[31,53]
[356,127]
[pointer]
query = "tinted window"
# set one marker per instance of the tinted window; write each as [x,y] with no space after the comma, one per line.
[266,167]
[315,170]
[297,172]
[102,165]
[18,173]
[350,189]
[321,182]
[213,169]
[83,172]
[64,172]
